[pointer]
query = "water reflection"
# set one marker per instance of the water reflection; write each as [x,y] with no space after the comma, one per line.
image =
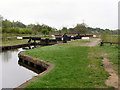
[6,55]
[13,74]
[30,67]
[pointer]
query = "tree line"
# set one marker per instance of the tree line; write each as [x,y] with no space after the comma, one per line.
[20,28]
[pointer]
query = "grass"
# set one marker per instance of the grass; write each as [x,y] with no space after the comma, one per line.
[13,34]
[81,42]
[112,54]
[12,41]
[109,38]
[112,51]
[75,66]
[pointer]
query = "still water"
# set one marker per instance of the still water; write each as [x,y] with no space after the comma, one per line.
[13,74]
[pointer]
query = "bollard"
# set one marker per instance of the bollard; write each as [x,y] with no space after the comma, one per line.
[101,44]
[110,43]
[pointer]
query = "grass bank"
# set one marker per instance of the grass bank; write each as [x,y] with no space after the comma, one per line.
[75,66]
[12,41]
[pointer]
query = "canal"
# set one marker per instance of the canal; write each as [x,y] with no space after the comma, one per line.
[13,73]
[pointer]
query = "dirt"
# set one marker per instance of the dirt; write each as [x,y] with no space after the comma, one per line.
[94,42]
[90,43]
[113,78]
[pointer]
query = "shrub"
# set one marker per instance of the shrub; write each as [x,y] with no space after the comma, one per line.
[25,31]
[14,30]
[6,30]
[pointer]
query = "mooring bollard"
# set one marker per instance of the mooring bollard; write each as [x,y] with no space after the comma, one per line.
[101,44]
[110,43]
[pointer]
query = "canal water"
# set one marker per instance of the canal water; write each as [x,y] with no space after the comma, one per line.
[13,74]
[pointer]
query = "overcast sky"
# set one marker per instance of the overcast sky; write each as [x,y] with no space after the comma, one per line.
[59,13]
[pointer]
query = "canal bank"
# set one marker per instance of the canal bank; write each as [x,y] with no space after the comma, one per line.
[14,72]
[75,66]
[42,65]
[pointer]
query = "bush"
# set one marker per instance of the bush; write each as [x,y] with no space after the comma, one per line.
[6,30]
[25,31]
[14,30]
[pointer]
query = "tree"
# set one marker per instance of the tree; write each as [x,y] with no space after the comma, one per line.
[45,31]
[80,28]
[107,31]
[71,30]
[47,27]
[18,24]
[6,24]
[37,28]
[64,30]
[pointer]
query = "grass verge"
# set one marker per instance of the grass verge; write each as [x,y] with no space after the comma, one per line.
[112,54]
[75,67]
